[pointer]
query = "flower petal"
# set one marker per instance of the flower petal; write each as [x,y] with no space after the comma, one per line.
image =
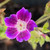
[19,37]
[24,14]
[11,21]
[30,25]
[11,32]
[25,35]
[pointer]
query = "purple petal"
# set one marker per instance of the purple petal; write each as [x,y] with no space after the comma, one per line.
[11,32]
[24,14]
[19,37]
[30,25]
[25,35]
[11,21]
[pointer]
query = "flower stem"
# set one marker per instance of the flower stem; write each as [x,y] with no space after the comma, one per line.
[4,2]
[42,20]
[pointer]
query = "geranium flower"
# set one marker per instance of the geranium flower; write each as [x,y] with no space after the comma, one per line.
[20,25]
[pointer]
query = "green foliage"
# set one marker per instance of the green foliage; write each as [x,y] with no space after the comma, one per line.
[34,45]
[34,34]
[47,11]
[37,38]
[3,35]
[3,29]
[45,26]
[46,14]
[34,39]
[41,41]
[47,39]
[2,32]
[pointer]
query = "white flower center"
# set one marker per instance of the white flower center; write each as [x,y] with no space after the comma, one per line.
[21,25]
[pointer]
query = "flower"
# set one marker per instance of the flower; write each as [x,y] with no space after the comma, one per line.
[20,25]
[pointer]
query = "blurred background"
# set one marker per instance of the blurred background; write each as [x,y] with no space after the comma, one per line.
[36,7]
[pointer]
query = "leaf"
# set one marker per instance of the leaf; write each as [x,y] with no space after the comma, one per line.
[34,45]
[33,42]
[47,39]
[41,41]
[35,34]
[37,40]
[2,29]
[47,11]
[46,30]
[45,26]
[3,35]
[34,39]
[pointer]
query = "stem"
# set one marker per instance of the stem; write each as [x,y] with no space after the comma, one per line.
[40,21]
[3,3]
[39,28]
[41,18]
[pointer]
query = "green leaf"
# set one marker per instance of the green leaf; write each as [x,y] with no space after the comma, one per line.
[34,39]
[35,34]
[1,29]
[47,39]
[46,25]
[3,35]
[47,9]
[45,30]
[34,45]
[41,41]
[33,42]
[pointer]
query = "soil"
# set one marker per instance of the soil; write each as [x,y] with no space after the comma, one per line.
[15,45]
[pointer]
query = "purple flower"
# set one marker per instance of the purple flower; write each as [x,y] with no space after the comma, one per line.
[20,25]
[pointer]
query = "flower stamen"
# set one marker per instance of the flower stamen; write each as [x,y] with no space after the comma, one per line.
[21,25]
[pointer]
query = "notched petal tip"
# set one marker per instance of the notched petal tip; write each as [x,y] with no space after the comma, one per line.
[31,25]
[11,21]
[24,14]
[11,32]
[13,15]
[23,8]
[19,38]
[26,35]
[23,36]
